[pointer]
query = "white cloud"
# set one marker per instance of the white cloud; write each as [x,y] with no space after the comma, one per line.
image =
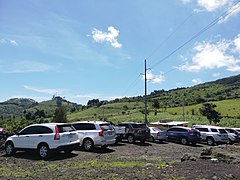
[13,42]
[237,43]
[197,81]
[155,79]
[231,12]
[210,55]
[110,36]
[24,67]
[216,74]
[212,5]
[45,91]
[186,1]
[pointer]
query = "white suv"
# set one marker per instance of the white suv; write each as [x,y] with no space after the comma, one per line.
[212,134]
[43,138]
[95,133]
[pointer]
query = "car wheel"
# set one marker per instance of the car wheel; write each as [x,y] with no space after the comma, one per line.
[194,143]
[131,139]
[184,141]
[9,149]
[88,144]
[230,141]
[151,139]
[43,150]
[210,141]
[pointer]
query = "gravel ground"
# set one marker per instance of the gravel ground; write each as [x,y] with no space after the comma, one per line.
[165,160]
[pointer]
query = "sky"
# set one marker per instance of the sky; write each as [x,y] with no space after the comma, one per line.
[95,49]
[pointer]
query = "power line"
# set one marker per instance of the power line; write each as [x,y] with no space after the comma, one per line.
[215,21]
[170,35]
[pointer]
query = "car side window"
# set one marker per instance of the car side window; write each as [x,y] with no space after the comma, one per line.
[214,130]
[28,130]
[202,129]
[42,130]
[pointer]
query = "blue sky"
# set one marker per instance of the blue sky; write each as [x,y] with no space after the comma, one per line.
[83,50]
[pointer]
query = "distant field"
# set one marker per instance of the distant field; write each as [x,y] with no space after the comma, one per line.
[130,111]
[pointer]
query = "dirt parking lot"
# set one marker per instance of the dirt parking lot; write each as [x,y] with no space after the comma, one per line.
[165,160]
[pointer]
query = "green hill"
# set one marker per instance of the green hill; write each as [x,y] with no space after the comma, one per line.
[162,105]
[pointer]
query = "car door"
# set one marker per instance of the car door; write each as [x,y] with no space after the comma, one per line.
[203,132]
[21,140]
[82,130]
[172,134]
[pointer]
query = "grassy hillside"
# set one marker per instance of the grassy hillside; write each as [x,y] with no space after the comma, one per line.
[131,111]
[162,105]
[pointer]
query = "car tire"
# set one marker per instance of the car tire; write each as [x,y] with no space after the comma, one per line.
[9,149]
[43,150]
[184,141]
[130,139]
[151,139]
[230,142]
[88,144]
[210,141]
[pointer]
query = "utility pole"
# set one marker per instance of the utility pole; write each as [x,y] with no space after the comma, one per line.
[145,97]
[183,104]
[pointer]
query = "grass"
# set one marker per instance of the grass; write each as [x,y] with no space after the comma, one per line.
[130,111]
[72,169]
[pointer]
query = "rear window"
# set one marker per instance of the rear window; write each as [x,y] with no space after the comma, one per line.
[178,130]
[139,125]
[84,126]
[106,126]
[65,128]
[202,129]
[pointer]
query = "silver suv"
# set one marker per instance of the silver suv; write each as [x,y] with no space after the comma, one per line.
[95,133]
[43,138]
[212,134]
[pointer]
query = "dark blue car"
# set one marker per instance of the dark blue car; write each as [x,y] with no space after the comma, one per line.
[183,135]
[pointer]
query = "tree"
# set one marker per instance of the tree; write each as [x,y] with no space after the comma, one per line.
[60,115]
[212,115]
[156,104]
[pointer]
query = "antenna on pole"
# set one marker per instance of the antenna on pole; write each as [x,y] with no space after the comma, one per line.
[145,96]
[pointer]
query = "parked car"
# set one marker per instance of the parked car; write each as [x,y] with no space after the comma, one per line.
[134,131]
[212,134]
[237,129]
[44,138]
[183,135]
[95,133]
[233,135]
[157,134]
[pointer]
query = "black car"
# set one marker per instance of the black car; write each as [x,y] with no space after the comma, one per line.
[183,135]
[134,131]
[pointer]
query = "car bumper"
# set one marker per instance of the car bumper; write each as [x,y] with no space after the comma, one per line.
[103,142]
[68,147]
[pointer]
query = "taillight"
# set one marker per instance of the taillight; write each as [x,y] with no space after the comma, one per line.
[101,133]
[57,135]
[137,130]
[190,132]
